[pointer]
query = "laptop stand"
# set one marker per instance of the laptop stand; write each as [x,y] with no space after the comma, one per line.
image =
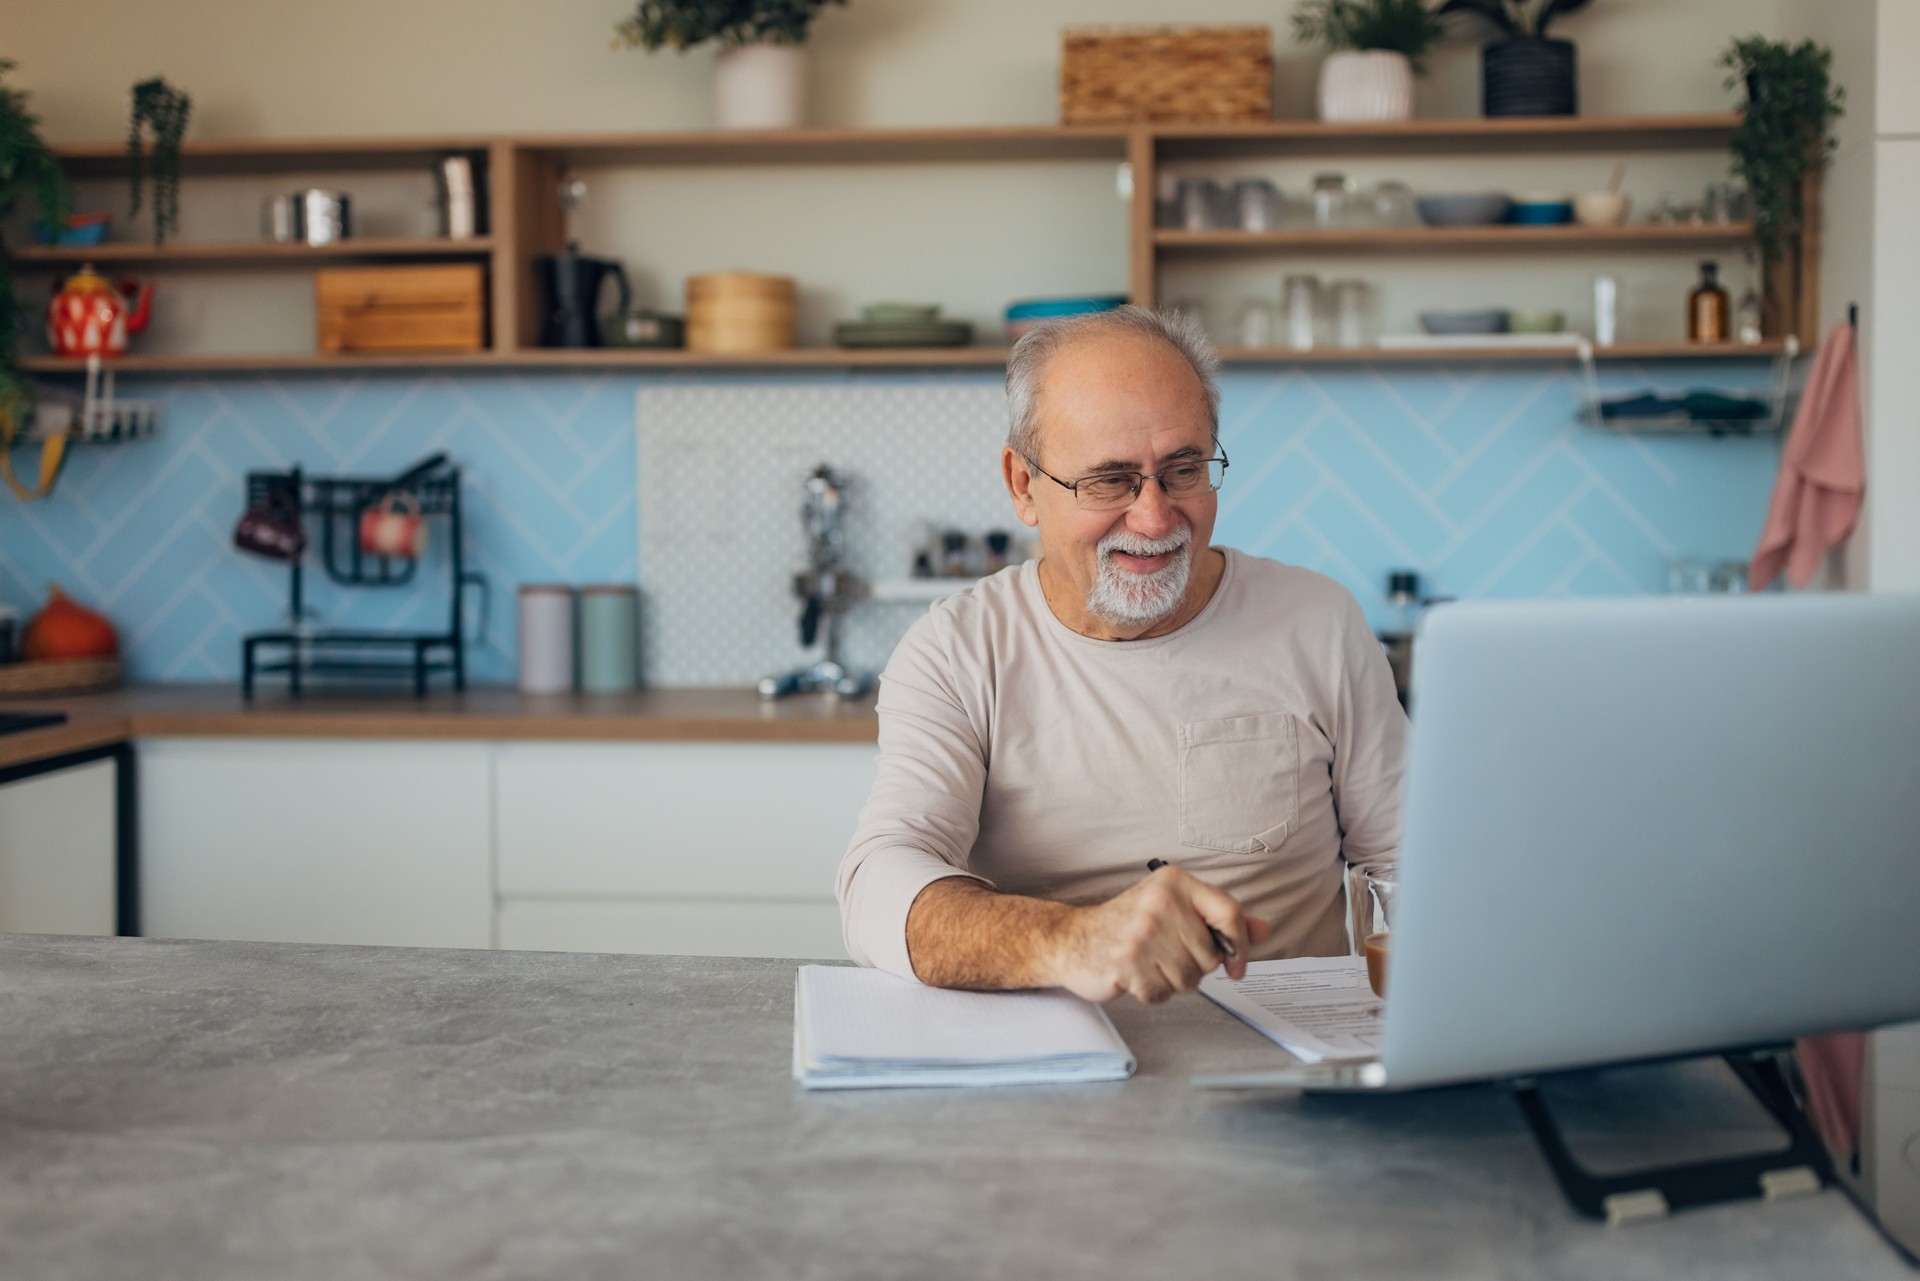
[1802,1166]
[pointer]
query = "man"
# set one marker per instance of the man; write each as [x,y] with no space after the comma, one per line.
[1136,693]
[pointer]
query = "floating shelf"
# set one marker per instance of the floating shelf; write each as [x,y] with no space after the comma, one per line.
[867,358]
[1513,133]
[250,253]
[1499,237]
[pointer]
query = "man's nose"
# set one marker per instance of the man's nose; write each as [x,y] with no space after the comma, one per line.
[1153,513]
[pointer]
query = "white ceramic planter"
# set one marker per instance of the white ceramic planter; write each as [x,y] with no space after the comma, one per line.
[760,86]
[1364,85]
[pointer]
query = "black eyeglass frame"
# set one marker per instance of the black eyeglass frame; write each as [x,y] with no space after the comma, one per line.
[1140,479]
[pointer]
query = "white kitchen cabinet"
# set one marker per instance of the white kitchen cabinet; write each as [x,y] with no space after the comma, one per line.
[316,841]
[693,848]
[682,927]
[57,852]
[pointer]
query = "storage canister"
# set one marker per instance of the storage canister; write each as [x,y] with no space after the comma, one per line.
[740,311]
[546,639]
[609,639]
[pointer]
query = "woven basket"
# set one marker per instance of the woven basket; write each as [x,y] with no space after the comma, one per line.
[1126,75]
[58,676]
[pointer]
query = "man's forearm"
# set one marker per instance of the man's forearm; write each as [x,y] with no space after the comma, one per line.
[962,934]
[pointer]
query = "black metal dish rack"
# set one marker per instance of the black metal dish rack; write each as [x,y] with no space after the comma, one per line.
[336,504]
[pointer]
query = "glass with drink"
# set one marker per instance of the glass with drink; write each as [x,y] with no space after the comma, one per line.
[1370,895]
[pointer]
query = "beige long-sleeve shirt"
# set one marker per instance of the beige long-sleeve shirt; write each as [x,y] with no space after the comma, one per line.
[1257,747]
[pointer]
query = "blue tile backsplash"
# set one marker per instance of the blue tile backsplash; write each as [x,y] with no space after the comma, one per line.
[1476,475]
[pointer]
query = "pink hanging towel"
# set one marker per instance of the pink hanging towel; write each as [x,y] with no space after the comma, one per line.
[1816,499]
[1834,1069]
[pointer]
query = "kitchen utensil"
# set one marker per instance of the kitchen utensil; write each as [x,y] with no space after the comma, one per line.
[1465,320]
[826,590]
[642,328]
[1256,204]
[545,658]
[1464,209]
[280,218]
[1536,322]
[76,229]
[458,197]
[1333,200]
[939,333]
[1601,208]
[571,284]
[609,639]
[323,217]
[1022,316]
[1538,209]
[1352,308]
[271,527]
[1300,311]
[91,316]
[741,311]
[392,526]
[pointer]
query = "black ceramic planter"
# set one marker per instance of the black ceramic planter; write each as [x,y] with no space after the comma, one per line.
[1528,76]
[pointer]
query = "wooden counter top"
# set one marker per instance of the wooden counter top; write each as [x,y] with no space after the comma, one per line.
[492,712]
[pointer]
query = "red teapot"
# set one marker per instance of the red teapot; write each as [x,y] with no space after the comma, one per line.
[91,316]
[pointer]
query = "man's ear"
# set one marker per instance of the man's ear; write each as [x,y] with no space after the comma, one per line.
[1013,470]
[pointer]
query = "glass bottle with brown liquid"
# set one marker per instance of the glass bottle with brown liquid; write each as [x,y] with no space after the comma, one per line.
[1707,308]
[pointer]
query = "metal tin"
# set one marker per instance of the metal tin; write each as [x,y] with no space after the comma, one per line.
[280,219]
[325,217]
[609,639]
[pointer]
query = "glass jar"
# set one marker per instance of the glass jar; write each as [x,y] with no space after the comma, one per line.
[1256,323]
[1394,205]
[1256,204]
[1300,311]
[1352,313]
[1332,200]
[1200,202]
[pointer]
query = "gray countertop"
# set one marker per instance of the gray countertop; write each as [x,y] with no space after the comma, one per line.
[245,1110]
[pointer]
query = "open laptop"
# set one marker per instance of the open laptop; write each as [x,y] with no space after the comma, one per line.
[1642,829]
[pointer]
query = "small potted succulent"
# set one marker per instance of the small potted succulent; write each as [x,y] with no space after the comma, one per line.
[1526,73]
[1375,49]
[761,73]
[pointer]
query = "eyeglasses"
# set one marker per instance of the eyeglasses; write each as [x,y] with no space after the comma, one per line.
[1112,490]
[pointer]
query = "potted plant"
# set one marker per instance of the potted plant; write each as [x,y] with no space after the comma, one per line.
[1526,73]
[1791,105]
[159,118]
[1376,48]
[760,74]
[28,169]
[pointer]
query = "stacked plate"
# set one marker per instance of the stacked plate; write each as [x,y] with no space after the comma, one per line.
[899,324]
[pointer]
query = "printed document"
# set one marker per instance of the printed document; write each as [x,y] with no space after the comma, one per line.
[1316,1007]
[859,1028]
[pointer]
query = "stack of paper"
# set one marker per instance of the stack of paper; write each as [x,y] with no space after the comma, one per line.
[1317,1007]
[858,1029]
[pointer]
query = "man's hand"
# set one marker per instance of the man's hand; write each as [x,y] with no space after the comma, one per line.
[1151,941]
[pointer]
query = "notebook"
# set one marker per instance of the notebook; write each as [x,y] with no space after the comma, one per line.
[859,1029]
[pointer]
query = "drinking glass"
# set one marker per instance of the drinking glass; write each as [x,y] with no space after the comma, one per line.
[1256,323]
[1351,310]
[1332,200]
[1256,204]
[1300,311]
[1370,902]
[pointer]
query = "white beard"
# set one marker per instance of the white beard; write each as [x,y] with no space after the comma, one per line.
[1121,598]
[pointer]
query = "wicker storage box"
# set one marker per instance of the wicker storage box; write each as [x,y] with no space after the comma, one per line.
[438,308]
[1124,75]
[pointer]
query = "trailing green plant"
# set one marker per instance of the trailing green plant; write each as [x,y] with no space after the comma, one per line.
[682,24]
[1395,26]
[1517,19]
[159,118]
[28,170]
[1785,127]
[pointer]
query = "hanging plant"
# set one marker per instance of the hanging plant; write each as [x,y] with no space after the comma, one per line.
[159,117]
[28,170]
[1785,128]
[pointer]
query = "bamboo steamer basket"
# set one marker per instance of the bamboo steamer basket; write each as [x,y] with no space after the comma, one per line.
[741,311]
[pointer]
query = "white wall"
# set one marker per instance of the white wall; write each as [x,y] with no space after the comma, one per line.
[1893,388]
[377,67]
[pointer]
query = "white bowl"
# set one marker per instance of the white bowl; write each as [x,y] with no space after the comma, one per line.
[1601,208]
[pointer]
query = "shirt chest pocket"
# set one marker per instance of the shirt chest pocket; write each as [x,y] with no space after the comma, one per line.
[1239,782]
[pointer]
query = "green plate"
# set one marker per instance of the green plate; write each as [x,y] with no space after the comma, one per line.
[946,333]
[901,313]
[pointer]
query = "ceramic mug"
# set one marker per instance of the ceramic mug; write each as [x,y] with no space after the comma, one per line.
[393,527]
[271,528]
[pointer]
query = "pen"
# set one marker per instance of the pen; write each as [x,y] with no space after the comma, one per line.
[1221,943]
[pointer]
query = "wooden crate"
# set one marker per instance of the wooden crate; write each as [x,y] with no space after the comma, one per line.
[373,309]
[1126,75]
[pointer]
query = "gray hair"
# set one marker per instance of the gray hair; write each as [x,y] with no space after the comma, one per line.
[1028,362]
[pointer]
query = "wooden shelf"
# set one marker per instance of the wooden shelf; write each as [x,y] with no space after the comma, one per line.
[834,146]
[251,254]
[1498,237]
[1509,134]
[834,357]
[277,155]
